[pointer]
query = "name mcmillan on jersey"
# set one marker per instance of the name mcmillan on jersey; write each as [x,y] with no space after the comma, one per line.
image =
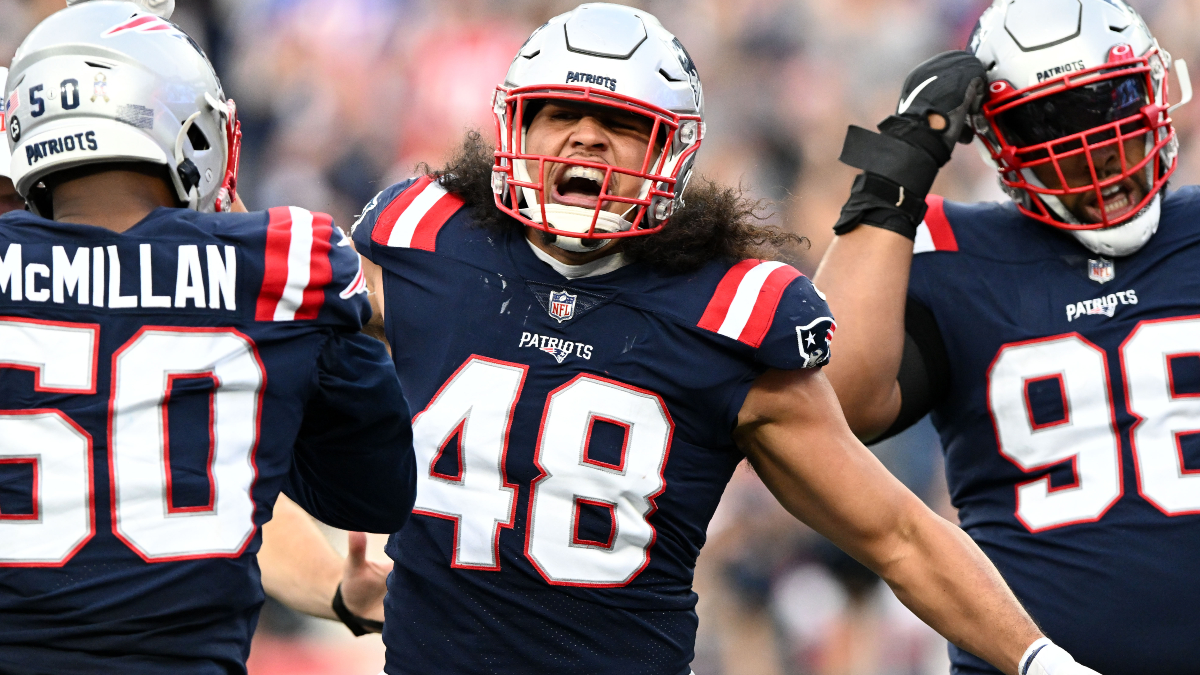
[81,275]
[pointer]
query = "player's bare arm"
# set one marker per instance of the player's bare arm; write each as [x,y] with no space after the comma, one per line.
[792,430]
[303,571]
[299,566]
[864,275]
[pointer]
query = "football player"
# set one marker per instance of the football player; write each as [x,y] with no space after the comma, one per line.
[9,199]
[1054,338]
[592,359]
[165,370]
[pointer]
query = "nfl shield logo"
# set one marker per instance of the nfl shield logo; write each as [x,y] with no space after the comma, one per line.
[562,305]
[1101,271]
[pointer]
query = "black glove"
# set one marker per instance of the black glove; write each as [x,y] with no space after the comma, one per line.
[901,163]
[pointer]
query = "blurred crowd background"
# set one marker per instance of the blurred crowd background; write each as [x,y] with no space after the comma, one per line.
[340,98]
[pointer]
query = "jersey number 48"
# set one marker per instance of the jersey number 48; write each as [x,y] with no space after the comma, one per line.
[476,405]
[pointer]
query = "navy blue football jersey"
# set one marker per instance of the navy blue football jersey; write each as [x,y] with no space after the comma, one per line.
[158,388]
[1072,425]
[573,439]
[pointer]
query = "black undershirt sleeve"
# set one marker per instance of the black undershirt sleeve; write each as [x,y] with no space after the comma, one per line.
[924,375]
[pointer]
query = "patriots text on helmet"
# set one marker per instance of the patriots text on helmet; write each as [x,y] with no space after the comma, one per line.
[1050,73]
[587,78]
[35,152]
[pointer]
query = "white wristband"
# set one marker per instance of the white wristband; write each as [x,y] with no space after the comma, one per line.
[1043,657]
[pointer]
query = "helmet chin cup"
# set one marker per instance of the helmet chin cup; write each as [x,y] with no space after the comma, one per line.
[563,219]
[1124,239]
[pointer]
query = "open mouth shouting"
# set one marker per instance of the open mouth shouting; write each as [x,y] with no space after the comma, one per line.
[1119,200]
[580,186]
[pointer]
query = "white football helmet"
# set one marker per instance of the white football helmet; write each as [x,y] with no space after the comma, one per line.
[103,82]
[1068,79]
[163,8]
[613,56]
[5,155]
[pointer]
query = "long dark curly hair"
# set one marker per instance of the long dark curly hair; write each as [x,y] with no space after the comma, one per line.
[718,222]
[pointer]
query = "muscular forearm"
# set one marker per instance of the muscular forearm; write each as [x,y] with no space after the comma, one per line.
[299,566]
[791,429]
[942,576]
[864,275]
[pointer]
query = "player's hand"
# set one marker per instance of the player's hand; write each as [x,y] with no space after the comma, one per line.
[900,163]
[1050,659]
[364,582]
[938,96]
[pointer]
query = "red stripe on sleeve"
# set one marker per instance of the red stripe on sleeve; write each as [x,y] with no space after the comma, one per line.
[718,307]
[939,226]
[425,236]
[275,268]
[387,219]
[320,271]
[763,313]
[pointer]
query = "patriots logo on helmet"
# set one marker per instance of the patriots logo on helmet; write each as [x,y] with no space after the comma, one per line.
[142,24]
[814,341]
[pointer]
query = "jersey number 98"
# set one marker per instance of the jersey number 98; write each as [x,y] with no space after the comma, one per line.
[1086,435]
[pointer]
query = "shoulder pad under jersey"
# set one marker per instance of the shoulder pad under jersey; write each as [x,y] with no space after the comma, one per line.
[775,309]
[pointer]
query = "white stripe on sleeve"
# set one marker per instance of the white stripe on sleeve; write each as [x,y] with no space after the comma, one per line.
[299,265]
[744,300]
[406,225]
[923,242]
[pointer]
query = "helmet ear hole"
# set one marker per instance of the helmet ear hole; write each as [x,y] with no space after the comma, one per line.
[198,139]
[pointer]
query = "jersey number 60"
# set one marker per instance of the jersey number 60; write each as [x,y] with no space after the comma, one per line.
[64,358]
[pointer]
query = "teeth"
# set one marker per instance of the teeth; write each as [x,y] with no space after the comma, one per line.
[1108,192]
[587,172]
[1116,204]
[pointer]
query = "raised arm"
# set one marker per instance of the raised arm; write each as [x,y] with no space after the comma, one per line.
[792,430]
[865,271]
[864,276]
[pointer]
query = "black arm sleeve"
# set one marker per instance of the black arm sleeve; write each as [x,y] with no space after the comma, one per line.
[353,466]
[924,368]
